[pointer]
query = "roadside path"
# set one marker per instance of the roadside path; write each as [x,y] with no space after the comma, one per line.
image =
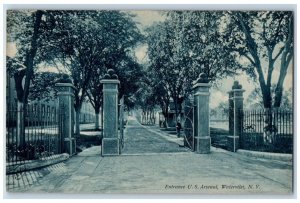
[143,140]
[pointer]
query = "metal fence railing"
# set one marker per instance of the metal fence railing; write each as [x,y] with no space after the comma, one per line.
[35,136]
[269,130]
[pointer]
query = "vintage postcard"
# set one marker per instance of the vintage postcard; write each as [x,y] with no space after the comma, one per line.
[149,101]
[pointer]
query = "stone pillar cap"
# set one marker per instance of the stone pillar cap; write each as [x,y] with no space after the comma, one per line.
[202,78]
[236,85]
[201,85]
[111,74]
[112,81]
[201,81]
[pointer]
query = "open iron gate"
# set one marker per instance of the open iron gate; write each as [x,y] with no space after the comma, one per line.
[121,123]
[188,124]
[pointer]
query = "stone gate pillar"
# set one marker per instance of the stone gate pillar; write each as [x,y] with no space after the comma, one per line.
[230,112]
[235,141]
[201,116]
[66,115]
[110,140]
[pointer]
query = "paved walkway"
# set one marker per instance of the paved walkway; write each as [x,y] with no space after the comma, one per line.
[147,140]
[142,169]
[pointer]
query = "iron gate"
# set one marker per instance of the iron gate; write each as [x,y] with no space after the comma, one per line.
[121,123]
[188,124]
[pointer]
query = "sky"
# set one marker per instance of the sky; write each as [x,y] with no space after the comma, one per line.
[147,17]
[144,20]
[219,93]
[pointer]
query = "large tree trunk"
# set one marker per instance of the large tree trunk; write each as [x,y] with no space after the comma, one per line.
[97,112]
[176,108]
[29,63]
[20,124]
[26,72]
[18,76]
[101,110]
[278,95]
[267,98]
[253,50]
[165,113]
[286,59]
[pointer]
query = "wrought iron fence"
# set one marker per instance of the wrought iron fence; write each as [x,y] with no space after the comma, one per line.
[269,130]
[36,136]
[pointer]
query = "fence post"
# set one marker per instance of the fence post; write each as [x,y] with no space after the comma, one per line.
[110,140]
[66,115]
[234,142]
[201,116]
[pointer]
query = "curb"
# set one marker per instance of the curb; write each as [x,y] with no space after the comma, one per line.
[35,164]
[266,155]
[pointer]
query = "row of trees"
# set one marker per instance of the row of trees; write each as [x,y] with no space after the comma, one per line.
[82,44]
[187,43]
[220,44]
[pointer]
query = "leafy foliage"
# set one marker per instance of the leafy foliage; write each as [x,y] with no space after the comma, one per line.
[186,44]
[92,42]
[262,40]
[85,43]
[43,86]
[255,98]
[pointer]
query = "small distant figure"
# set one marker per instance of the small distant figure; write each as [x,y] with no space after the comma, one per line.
[178,128]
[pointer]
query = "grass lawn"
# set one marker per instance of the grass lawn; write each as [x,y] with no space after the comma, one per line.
[218,137]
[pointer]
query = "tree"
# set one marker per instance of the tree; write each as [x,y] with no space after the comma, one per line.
[79,50]
[147,98]
[130,74]
[255,98]
[118,44]
[91,43]
[27,29]
[263,39]
[185,45]
[201,42]
[152,93]
[95,94]
[164,61]
[43,86]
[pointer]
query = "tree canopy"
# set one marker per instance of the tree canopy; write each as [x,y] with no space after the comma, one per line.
[186,44]
[85,43]
[221,44]
[263,41]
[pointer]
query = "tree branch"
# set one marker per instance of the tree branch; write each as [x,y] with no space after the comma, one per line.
[250,59]
[278,54]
